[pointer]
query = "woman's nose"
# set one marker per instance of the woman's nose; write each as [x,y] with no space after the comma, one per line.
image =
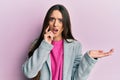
[55,23]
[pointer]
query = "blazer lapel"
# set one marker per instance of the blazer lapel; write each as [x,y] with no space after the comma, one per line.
[66,60]
[67,55]
[49,63]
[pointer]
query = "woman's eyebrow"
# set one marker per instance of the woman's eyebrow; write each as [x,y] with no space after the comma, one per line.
[55,18]
[52,17]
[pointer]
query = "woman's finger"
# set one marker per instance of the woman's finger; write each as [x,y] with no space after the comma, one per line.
[112,50]
[47,29]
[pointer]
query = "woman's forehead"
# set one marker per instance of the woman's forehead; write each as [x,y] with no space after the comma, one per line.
[56,14]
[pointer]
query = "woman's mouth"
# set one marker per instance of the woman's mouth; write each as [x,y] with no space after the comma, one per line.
[55,31]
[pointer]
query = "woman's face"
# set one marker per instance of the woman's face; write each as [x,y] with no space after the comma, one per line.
[56,24]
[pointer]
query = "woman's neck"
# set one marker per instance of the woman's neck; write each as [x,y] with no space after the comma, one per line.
[57,38]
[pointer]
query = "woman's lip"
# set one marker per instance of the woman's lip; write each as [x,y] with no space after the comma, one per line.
[55,31]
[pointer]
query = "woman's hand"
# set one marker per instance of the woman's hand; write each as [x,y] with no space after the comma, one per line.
[100,53]
[48,36]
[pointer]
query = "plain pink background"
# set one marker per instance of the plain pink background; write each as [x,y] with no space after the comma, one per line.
[95,23]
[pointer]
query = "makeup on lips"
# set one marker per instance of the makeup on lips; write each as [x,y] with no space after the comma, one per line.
[54,30]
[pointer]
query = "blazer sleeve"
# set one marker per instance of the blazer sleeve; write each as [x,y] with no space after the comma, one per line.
[83,64]
[34,64]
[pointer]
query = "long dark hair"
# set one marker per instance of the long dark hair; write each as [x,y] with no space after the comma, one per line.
[66,34]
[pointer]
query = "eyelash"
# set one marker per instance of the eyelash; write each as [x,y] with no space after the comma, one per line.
[60,20]
[51,19]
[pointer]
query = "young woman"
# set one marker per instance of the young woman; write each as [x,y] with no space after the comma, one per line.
[57,55]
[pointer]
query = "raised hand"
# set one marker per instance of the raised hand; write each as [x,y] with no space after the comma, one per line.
[100,53]
[48,36]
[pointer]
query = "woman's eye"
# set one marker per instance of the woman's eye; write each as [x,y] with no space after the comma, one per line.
[51,19]
[60,20]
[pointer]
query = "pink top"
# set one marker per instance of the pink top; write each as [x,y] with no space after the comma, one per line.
[57,60]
